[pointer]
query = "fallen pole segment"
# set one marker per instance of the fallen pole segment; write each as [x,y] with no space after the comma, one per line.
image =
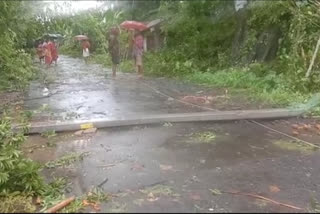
[162,118]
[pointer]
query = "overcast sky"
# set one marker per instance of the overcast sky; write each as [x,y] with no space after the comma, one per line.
[73,6]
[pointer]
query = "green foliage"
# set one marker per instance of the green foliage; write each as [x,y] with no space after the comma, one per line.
[17,35]
[199,40]
[49,134]
[94,24]
[53,193]
[14,203]
[103,59]
[16,172]
[268,87]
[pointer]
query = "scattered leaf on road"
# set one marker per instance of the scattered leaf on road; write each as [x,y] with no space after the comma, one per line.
[295,133]
[78,133]
[91,130]
[167,124]
[295,126]
[215,191]
[274,188]
[165,167]
[152,198]
[317,126]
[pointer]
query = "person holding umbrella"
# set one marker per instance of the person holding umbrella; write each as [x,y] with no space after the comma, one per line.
[138,51]
[137,41]
[114,49]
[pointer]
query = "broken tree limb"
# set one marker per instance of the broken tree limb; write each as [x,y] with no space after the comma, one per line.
[263,198]
[313,58]
[60,205]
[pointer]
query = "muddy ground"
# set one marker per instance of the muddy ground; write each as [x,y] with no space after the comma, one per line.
[169,167]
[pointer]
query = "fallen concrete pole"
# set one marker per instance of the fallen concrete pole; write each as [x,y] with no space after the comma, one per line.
[163,118]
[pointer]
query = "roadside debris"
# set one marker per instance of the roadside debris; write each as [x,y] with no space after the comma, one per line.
[168,124]
[215,191]
[103,182]
[152,198]
[264,198]
[289,136]
[66,160]
[49,134]
[204,137]
[197,99]
[85,131]
[157,191]
[60,205]
[295,146]
[91,130]
[165,167]
[78,133]
[274,188]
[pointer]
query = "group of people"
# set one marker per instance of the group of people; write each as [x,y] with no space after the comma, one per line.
[136,42]
[47,50]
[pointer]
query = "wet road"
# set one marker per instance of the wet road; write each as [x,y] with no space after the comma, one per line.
[168,167]
[74,90]
[80,91]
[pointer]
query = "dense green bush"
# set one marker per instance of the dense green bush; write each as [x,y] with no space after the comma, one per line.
[17,173]
[17,34]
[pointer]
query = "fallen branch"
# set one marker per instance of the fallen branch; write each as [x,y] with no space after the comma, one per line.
[103,182]
[264,198]
[61,205]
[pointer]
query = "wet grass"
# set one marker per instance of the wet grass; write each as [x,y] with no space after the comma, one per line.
[16,204]
[204,137]
[49,134]
[295,146]
[159,190]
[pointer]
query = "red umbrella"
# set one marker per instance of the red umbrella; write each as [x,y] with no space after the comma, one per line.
[134,25]
[80,37]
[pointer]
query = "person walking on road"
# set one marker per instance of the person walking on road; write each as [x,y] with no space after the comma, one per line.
[40,51]
[114,49]
[54,52]
[138,52]
[85,50]
[48,50]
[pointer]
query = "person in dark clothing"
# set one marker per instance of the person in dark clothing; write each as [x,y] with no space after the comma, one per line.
[114,49]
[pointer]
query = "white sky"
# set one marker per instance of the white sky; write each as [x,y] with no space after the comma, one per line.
[73,6]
